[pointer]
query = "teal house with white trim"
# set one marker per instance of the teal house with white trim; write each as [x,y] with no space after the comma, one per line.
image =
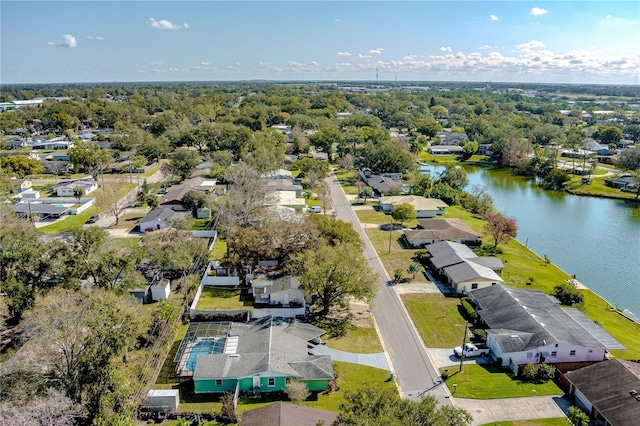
[263,355]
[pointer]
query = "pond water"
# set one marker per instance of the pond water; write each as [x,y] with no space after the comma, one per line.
[596,239]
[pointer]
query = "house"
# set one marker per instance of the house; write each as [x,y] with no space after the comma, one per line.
[455,138]
[282,414]
[59,156]
[55,167]
[285,199]
[39,210]
[52,144]
[444,149]
[425,207]
[433,230]
[608,391]
[67,188]
[173,198]
[278,174]
[485,149]
[256,357]
[383,185]
[279,290]
[157,219]
[529,327]
[593,146]
[22,184]
[462,268]
[283,185]
[621,181]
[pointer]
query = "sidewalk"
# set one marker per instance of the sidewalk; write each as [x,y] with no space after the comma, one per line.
[378,360]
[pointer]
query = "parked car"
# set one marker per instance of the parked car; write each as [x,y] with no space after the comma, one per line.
[93,219]
[314,209]
[470,350]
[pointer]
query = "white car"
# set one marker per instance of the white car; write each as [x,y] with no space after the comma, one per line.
[314,209]
[470,350]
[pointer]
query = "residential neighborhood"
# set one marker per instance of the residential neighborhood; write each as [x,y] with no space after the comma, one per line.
[240,271]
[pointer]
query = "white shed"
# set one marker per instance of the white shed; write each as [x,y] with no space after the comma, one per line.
[160,290]
[163,399]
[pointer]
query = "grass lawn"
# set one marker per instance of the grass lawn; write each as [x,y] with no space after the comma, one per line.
[491,382]
[126,242]
[213,297]
[557,421]
[70,222]
[426,157]
[201,224]
[219,249]
[598,188]
[348,181]
[128,221]
[399,258]
[373,216]
[357,339]
[437,318]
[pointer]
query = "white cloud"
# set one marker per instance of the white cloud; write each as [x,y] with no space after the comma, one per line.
[538,11]
[314,63]
[410,57]
[344,54]
[95,38]
[69,41]
[163,24]
[361,56]
[533,44]
[156,63]
[485,47]
[609,16]
[493,17]
[337,20]
[205,63]
[446,49]
[377,51]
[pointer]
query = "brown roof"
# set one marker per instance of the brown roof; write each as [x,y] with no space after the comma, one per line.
[441,229]
[608,385]
[281,414]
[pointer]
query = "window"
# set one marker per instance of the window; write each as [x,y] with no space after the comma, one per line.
[272,382]
[554,354]
[572,353]
[287,380]
[474,286]
[218,382]
[529,354]
[556,345]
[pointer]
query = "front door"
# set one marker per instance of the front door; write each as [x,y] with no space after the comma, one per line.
[256,382]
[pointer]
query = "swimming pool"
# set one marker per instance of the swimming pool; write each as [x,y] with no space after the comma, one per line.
[202,347]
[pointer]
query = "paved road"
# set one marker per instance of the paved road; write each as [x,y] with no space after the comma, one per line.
[414,372]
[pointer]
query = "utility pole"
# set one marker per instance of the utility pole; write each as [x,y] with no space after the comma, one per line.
[390,230]
[464,339]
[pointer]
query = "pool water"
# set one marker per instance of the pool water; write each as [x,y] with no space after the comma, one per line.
[202,347]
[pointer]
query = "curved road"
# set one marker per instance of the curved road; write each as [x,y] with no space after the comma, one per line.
[414,371]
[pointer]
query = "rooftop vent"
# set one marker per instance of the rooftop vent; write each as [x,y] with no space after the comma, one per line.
[633,392]
[514,336]
[234,356]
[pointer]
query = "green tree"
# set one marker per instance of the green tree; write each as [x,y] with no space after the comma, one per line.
[455,177]
[413,269]
[398,275]
[194,200]
[332,273]
[555,179]
[89,158]
[422,186]
[438,111]
[468,149]
[138,162]
[632,131]
[366,193]
[403,212]
[500,227]
[183,163]
[568,295]
[630,159]
[173,249]
[386,408]
[297,391]
[387,156]
[577,417]
[335,231]
[325,138]
[21,166]
[608,134]
[78,192]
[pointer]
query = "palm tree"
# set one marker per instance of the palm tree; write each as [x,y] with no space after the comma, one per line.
[398,274]
[414,268]
[78,192]
[577,417]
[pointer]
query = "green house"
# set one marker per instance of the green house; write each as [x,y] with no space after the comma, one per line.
[263,355]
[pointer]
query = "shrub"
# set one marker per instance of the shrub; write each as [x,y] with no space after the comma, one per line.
[538,373]
[422,256]
[470,310]
[297,391]
[333,327]
[567,295]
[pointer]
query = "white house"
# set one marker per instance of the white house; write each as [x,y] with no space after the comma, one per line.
[157,219]
[278,174]
[66,188]
[281,290]
[529,327]
[425,207]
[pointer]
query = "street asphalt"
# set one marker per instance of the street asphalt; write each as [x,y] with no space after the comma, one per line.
[415,373]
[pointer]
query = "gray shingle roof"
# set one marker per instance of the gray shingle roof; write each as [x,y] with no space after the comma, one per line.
[159,214]
[511,311]
[467,271]
[277,345]
[281,414]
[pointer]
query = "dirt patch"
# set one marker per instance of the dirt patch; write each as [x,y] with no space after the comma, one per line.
[358,313]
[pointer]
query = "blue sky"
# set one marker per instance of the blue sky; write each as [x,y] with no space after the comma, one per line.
[96,41]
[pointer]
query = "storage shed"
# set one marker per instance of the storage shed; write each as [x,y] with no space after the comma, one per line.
[163,399]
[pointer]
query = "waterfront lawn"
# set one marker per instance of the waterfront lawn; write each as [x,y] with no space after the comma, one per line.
[597,188]
[69,223]
[213,297]
[488,381]
[436,317]
[380,218]
[556,421]
[362,340]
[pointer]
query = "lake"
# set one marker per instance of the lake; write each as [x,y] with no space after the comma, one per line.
[596,239]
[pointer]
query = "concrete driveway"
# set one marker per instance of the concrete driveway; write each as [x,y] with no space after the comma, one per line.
[494,410]
[444,357]
[378,360]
